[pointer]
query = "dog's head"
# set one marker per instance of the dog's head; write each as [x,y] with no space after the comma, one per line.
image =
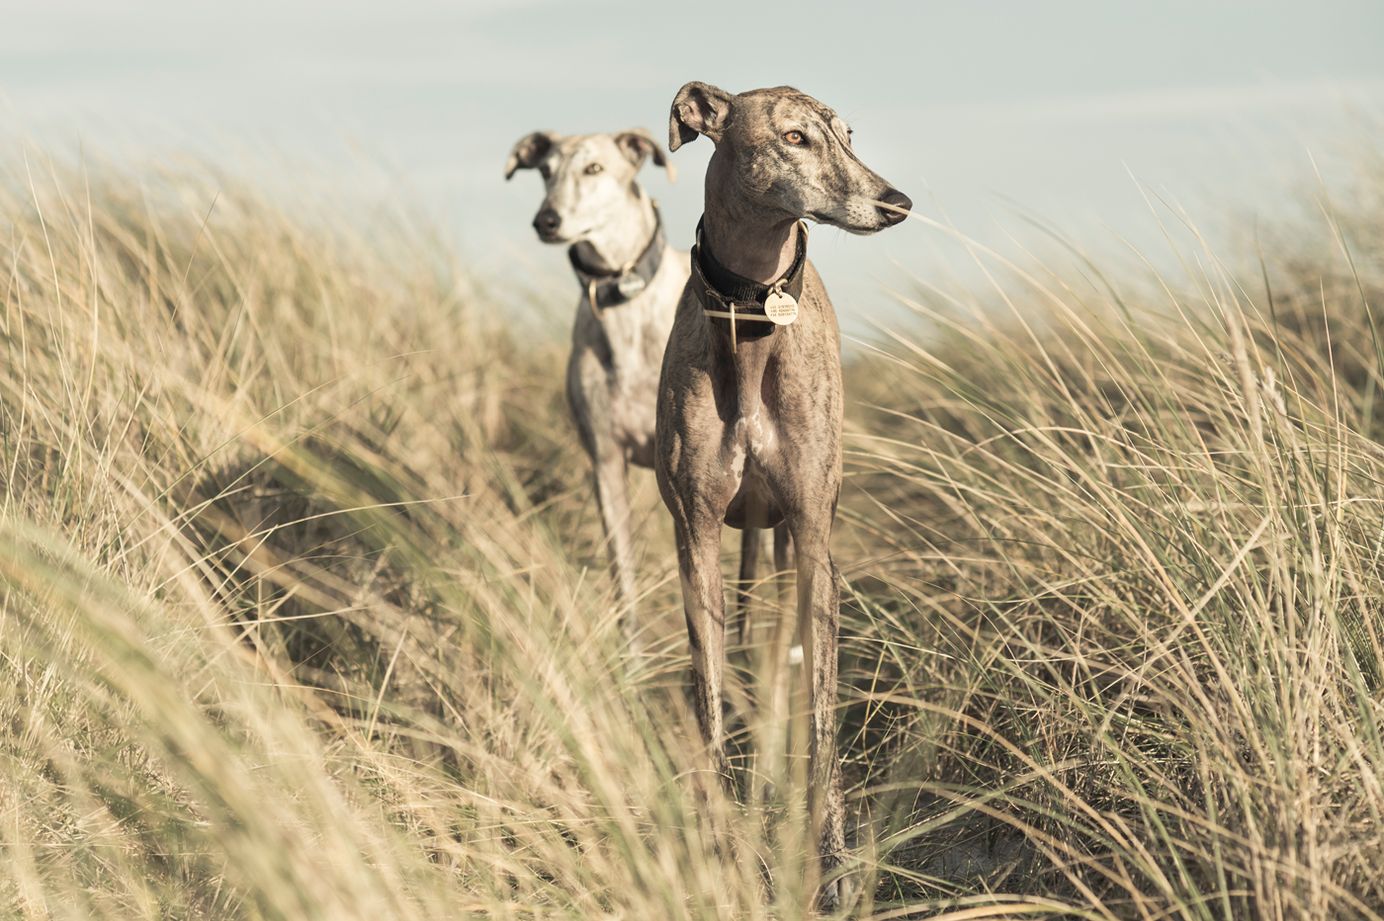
[781,149]
[589,178]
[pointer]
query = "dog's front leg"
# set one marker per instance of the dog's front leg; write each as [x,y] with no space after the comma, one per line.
[703,598]
[819,603]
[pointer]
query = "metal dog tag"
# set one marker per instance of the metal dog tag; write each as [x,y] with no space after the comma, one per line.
[630,285]
[780,308]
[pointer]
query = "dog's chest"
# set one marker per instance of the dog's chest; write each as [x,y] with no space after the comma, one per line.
[754,440]
[751,464]
[629,341]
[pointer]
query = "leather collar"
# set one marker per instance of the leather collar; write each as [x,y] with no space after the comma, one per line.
[609,289]
[720,290]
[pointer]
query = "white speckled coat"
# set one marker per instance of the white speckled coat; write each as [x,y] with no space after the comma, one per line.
[594,204]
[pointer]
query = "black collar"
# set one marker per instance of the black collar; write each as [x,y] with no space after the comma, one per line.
[607,289]
[719,289]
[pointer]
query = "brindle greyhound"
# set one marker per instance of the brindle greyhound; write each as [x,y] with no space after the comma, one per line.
[630,281]
[749,401]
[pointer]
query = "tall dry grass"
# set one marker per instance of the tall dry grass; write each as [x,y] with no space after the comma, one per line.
[305,612]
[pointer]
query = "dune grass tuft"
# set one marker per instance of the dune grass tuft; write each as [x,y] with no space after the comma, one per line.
[304,611]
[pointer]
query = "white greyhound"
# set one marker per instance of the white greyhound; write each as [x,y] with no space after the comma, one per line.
[630,281]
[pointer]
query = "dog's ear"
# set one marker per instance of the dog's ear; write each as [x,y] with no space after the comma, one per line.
[637,146]
[530,149]
[698,108]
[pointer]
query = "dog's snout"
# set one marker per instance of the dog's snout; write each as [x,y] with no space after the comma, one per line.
[546,222]
[898,204]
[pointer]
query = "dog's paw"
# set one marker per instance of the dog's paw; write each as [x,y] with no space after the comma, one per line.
[837,890]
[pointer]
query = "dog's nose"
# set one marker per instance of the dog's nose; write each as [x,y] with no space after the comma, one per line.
[547,221]
[899,206]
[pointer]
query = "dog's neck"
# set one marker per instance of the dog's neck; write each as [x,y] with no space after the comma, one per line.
[749,241]
[620,241]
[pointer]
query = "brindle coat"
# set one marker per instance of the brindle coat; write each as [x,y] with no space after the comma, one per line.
[752,435]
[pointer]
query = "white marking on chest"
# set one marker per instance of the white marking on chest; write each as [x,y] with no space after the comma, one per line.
[738,452]
[750,439]
[761,433]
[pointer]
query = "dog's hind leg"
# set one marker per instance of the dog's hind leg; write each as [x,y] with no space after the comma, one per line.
[741,659]
[783,581]
[774,673]
[751,540]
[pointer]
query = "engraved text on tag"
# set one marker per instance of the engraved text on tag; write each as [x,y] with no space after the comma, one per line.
[781,308]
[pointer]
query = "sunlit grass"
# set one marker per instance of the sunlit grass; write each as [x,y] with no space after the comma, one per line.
[305,612]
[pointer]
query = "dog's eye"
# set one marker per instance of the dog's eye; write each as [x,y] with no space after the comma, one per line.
[593,168]
[795,138]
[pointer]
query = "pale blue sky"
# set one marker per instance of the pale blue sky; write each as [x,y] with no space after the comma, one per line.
[971,106]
